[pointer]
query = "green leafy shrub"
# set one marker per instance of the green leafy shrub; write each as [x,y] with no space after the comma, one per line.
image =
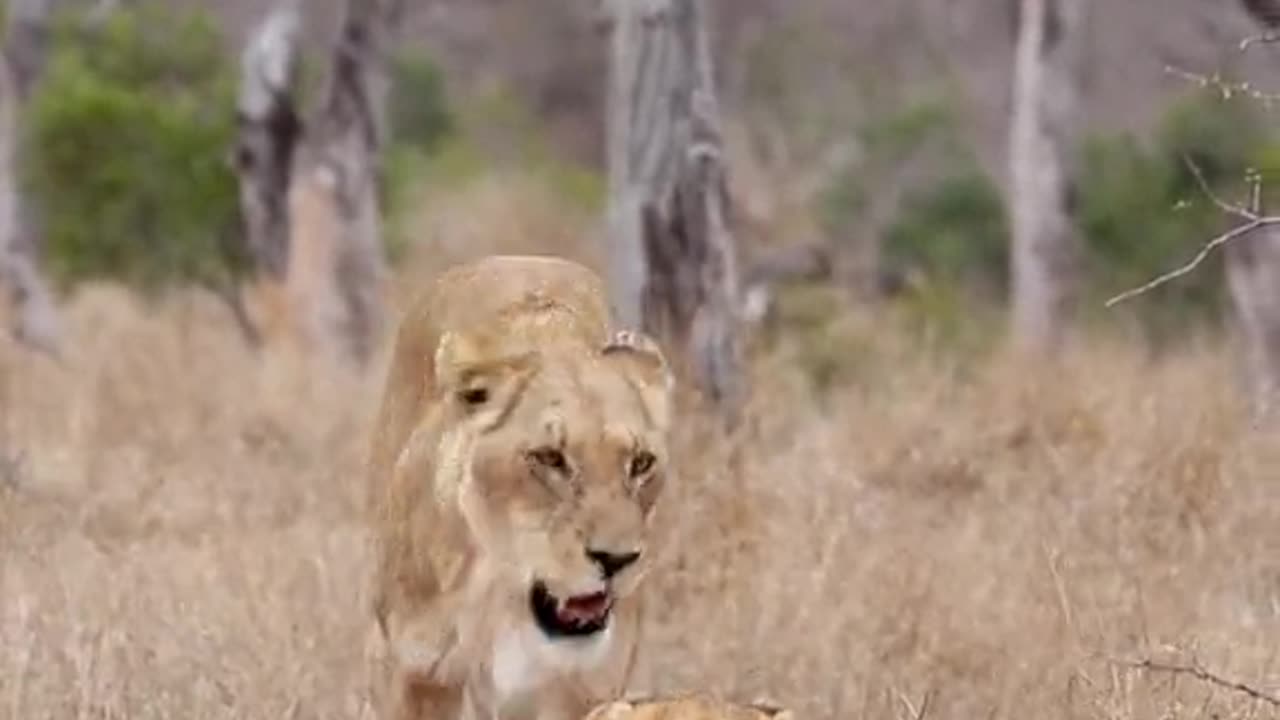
[948,228]
[129,133]
[1143,211]
[420,125]
[419,113]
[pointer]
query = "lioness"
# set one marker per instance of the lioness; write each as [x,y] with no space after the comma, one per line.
[692,707]
[515,463]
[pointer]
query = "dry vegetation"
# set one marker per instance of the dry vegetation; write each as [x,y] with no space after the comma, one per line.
[180,537]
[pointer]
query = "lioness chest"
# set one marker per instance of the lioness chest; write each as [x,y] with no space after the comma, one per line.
[530,674]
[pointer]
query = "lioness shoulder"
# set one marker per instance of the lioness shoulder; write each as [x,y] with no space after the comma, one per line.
[516,460]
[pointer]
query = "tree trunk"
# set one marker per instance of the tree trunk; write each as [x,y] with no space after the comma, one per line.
[269,132]
[36,320]
[351,132]
[673,265]
[1253,278]
[1047,76]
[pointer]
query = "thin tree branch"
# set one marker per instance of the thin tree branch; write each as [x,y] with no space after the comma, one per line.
[1247,214]
[1252,216]
[1205,251]
[1199,672]
[1266,38]
[1224,87]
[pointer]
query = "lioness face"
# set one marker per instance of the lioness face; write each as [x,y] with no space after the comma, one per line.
[564,478]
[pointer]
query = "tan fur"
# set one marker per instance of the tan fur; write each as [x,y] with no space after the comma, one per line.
[694,707]
[498,360]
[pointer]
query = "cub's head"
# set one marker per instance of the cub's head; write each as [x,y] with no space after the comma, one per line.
[561,456]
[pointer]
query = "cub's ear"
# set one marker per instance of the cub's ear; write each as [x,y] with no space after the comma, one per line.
[645,364]
[477,378]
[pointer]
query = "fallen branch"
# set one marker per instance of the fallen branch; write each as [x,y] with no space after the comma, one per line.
[1252,217]
[1202,674]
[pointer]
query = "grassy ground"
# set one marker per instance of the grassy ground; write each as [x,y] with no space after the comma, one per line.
[179,532]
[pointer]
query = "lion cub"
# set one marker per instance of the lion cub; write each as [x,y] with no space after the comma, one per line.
[516,460]
[685,708]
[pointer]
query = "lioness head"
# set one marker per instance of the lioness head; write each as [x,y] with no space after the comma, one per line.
[561,457]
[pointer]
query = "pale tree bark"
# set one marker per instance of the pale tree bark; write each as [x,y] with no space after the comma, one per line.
[310,197]
[1253,278]
[269,130]
[351,133]
[673,264]
[1047,77]
[36,320]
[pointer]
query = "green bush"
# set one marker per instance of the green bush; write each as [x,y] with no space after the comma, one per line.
[129,134]
[419,113]
[1142,210]
[420,123]
[949,227]
[1138,206]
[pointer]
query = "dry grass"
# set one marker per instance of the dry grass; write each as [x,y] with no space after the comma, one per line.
[179,533]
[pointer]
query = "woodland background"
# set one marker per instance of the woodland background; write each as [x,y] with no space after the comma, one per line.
[914,520]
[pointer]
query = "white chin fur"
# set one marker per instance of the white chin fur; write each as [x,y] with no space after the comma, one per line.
[524,658]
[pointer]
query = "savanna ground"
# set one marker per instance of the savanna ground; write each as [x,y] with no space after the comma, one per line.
[180,531]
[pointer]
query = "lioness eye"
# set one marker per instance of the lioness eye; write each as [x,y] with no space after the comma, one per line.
[552,458]
[475,396]
[641,464]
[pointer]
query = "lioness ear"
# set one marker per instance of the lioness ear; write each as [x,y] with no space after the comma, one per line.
[648,367]
[476,380]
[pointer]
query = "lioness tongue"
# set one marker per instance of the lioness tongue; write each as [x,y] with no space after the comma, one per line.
[584,608]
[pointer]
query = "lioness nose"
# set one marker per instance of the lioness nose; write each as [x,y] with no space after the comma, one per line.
[612,563]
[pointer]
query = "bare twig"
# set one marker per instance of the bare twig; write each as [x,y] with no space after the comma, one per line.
[1248,214]
[1205,251]
[1252,216]
[1265,38]
[1226,88]
[1199,672]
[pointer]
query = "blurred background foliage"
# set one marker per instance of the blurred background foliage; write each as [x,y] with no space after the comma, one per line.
[130,128]
[129,134]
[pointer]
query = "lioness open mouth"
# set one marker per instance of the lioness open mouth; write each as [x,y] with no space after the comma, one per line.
[577,616]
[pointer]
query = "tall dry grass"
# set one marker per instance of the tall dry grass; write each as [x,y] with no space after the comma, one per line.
[179,531]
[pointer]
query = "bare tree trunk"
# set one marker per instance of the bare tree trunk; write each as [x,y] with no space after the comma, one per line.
[1253,278]
[269,132]
[352,130]
[36,317]
[673,264]
[1047,77]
